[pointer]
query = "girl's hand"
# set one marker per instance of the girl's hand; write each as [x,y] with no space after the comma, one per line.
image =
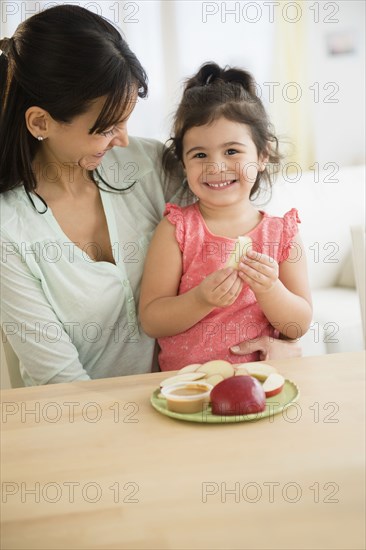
[259,271]
[220,289]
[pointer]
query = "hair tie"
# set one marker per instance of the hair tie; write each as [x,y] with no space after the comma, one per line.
[5,45]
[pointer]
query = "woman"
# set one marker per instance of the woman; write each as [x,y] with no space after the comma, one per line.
[77,210]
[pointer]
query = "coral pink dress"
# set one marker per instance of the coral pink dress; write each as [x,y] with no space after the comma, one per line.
[202,253]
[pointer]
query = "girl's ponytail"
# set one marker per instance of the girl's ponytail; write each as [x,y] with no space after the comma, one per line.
[241,77]
[212,74]
[207,73]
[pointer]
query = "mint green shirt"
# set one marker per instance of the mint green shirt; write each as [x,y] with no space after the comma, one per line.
[66,316]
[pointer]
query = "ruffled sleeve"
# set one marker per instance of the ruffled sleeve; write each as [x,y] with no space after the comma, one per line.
[290,221]
[174,214]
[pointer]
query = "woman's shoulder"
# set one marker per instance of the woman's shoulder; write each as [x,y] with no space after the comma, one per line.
[149,146]
[146,148]
[20,220]
[9,197]
[143,154]
[141,161]
[10,203]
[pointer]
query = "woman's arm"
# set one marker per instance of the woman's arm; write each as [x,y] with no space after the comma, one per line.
[162,311]
[282,291]
[32,327]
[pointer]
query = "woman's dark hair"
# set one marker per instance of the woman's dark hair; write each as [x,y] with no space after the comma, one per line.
[230,93]
[61,60]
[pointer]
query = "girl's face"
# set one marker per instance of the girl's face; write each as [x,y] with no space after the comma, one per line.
[221,162]
[71,144]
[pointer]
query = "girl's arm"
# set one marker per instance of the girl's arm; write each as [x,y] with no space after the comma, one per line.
[283,291]
[162,311]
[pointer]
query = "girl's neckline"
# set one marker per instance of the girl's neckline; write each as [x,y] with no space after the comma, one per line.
[263,214]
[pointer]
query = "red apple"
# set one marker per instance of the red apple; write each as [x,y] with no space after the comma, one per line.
[238,395]
[273,384]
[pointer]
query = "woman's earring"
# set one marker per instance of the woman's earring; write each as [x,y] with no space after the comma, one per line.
[40,138]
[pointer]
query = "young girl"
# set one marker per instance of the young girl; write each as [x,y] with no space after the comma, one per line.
[190,300]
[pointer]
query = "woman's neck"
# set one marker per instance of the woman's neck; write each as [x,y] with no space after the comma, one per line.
[55,179]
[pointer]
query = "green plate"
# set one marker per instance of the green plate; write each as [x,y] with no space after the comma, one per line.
[274,405]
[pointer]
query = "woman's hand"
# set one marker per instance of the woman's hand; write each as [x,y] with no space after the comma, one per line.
[219,289]
[269,348]
[259,271]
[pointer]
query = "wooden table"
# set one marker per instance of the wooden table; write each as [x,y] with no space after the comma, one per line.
[93,465]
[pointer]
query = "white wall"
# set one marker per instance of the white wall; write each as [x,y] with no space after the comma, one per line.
[191,35]
[172,38]
[340,127]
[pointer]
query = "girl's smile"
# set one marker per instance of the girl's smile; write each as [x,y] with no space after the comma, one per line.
[220,185]
[228,162]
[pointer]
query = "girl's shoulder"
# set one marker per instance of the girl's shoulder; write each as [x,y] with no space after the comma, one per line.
[184,215]
[276,234]
[288,222]
[185,219]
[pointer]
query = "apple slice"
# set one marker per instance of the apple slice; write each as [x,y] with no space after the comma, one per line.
[190,368]
[261,371]
[242,245]
[218,366]
[185,377]
[214,379]
[242,373]
[240,370]
[273,384]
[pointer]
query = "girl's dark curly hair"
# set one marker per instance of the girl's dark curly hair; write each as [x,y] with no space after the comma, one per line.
[230,93]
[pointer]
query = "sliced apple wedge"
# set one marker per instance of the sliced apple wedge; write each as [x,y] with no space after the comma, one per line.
[218,366]
[190,368]
[242,373]
[273,384]
[261,371]
[185,377]
[240,370]
[214,379]
[242,245]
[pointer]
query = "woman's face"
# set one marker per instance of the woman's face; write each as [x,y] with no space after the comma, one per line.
[70,144]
